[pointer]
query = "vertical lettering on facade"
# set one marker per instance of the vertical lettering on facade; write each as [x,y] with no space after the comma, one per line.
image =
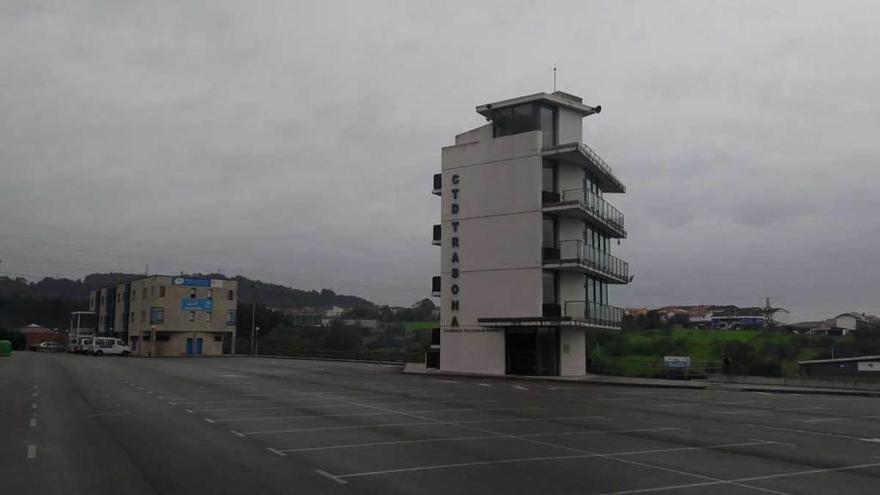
[455,289]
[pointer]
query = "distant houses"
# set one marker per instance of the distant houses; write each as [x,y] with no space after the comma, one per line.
[841,325]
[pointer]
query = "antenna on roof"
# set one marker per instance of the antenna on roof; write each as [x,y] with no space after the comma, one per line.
[554,78]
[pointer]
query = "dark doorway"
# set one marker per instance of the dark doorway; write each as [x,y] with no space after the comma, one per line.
[532,351]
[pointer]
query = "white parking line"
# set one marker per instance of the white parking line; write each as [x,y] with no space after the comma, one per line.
[33,422]
[331,403]
[32,452]
[276,452]
[331,477]
[209,420]
[746,480]
[548,458]
[481,437]
[374,413]
[484,385]
[237,433]
[519,387]
[811,432]
[34,405]
[422,423]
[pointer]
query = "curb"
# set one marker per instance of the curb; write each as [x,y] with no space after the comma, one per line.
[313,358]
[548,379]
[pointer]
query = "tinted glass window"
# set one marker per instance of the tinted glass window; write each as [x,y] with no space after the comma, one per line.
[549,178]
[549,287]
[548,125]
[549,232]
[514,120]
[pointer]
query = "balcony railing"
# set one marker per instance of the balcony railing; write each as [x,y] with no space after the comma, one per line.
[589,202]
[577,251]
[593,313]
[438,184]
[597,160]
[435,240]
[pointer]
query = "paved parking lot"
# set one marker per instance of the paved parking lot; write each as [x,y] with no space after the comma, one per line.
[241,425]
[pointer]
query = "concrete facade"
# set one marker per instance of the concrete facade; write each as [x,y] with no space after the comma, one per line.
[169,316]
[496,205]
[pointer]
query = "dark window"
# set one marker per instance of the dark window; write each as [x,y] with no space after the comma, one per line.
[549,239]
[162,337]
[230,295]
[548,180]
[548,125]
[230,317]
[161,291]
[525,119]
[550,279]
[192,293]
[218,338]
[157,316]
[502,121]
[143,316]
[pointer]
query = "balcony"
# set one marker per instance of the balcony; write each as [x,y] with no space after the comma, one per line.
[435,286]
[438,184]
[577,256]
[583,156]
[584,205]
[436,239]
[598,315]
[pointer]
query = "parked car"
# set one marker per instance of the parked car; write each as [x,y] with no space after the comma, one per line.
[80,345]
[110,346]
[50,347]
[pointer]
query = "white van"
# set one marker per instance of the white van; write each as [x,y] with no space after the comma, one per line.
[108,345]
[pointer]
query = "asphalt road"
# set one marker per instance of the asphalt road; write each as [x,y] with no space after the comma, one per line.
[96,425]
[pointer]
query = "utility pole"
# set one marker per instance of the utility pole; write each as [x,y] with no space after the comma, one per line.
[254,320]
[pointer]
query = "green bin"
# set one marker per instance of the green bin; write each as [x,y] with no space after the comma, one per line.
[5,348]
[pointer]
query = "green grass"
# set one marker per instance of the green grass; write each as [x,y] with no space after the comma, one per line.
[420,325]
[641,353]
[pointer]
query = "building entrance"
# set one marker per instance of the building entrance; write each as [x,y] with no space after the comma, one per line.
[532,351]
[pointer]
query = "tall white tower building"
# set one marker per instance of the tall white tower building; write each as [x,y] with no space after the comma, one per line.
[526,235]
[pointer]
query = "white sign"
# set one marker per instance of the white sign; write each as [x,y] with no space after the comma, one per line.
[677,361]
[869,365]
[216,283]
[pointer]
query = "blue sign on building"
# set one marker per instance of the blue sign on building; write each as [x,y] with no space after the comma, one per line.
[197,304]
[191,282]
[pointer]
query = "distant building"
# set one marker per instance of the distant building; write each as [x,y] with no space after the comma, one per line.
[841,325]
[305,317]
[334,312]
[361,322]
[35,334]
[168,315]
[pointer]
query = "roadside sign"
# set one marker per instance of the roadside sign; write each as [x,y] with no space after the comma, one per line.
[197,304]
[868,365]
[677,361]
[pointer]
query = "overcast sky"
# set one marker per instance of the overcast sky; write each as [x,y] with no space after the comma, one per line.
[295,141]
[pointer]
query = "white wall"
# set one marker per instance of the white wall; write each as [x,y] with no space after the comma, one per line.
[571,288]
[570,127]
[572,352]
[480,351]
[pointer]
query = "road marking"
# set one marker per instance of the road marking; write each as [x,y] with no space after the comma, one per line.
[32,452]
[548,458]
[294,406]
[237,433]
[35,394]
[423,423]
[746,480]
[189,410]
[329,476]
[811,432]
[346,415]
[276,452]
[581,451]
[447,381]
[498,436]
[34,405]
[160,396]
[149,391]
[823,420]
[519,387]
[33,422]
[209,420]
[484,385]
[172,403]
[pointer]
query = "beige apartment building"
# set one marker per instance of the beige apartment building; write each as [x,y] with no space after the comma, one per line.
[163,315]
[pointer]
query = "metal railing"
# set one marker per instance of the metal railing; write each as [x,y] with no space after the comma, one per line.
[596,159]
[597,314]
[577,251]
[595,205]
